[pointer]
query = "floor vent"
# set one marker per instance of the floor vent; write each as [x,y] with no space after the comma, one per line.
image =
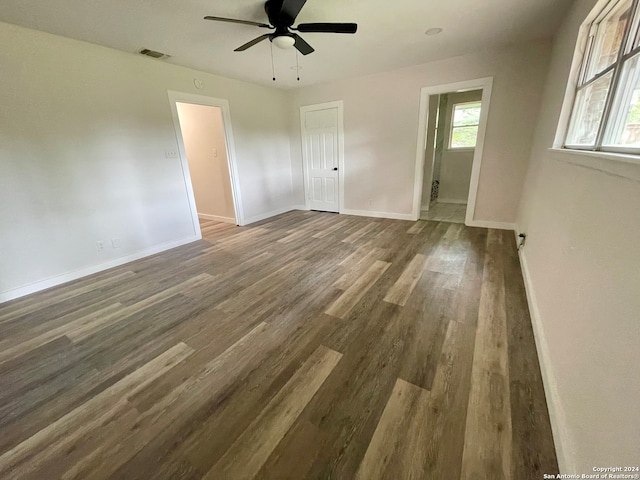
[153,54]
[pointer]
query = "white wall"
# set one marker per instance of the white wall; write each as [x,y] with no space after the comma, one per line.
[455,172]
[583,260]
[205,145]
[83,134]
[381,128]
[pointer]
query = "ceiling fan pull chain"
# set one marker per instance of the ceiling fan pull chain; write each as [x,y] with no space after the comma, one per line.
[297,66]
[273,68]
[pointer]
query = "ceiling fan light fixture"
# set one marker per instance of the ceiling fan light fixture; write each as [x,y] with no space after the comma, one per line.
[284,41]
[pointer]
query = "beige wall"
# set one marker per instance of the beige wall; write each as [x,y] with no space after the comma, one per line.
[204,141]
[583,261]
[456,165]
[83,135]
[381,128]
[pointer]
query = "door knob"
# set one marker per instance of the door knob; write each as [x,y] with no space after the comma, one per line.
[335,169]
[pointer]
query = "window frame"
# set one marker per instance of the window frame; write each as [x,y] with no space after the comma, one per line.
[452,126]
[630,38]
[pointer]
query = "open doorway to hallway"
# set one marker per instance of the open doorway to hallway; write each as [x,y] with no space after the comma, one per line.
[202,128]
[460,126]
[452,136]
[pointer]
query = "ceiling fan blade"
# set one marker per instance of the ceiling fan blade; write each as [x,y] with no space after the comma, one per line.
[327,28]
[243,22]
[252,43]
[290,10]
[302,46]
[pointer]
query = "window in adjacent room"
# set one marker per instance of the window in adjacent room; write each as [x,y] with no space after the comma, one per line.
[464,125]
[606,110]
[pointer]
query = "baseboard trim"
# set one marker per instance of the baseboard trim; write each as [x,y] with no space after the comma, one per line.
[450,200]
[216,218]
[367,213]
[84,272]
[272,213]
[557,416]
[494,225]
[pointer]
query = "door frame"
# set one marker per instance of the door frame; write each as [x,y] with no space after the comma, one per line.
[223,104]
[339,104]
[484,84]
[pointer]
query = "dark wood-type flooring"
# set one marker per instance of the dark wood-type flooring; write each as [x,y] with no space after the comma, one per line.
[309,346]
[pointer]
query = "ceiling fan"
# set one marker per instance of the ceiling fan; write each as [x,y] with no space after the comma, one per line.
[282,14]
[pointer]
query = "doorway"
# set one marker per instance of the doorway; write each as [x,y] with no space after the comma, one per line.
[205,139]
[323,156]
[453,122]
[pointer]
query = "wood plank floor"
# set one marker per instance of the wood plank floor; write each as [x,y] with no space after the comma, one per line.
[309,346]
[445,212]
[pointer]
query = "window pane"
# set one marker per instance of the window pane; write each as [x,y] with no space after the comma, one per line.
[634,38]
[608,39]
[587,112]
[624,123]
[464,137]
[466,114]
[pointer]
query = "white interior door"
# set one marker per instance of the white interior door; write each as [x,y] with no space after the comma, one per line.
[321,150]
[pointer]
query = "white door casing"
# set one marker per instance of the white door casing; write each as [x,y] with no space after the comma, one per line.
[484,84]
[322,153]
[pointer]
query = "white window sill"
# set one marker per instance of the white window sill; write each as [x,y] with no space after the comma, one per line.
[617,164]
[460,149]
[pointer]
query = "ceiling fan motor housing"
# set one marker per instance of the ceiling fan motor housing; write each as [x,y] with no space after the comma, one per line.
[278,17]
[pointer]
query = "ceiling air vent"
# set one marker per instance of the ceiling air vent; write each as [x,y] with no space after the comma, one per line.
[153,54]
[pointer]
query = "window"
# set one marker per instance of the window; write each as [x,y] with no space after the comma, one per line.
[606,110]
[464,125]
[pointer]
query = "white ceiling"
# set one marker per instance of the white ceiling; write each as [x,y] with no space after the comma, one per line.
[390,35]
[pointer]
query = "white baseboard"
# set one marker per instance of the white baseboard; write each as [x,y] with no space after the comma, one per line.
[216,218]
[452,200]
[556,412]
[70,276]
[367,213]
[272,213]
[494,225]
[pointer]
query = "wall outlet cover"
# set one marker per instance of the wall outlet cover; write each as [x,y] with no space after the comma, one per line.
[171,152]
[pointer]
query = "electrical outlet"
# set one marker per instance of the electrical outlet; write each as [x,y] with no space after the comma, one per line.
[171,153]
[522,240]
[115,242]
[215,152]
[100,245]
